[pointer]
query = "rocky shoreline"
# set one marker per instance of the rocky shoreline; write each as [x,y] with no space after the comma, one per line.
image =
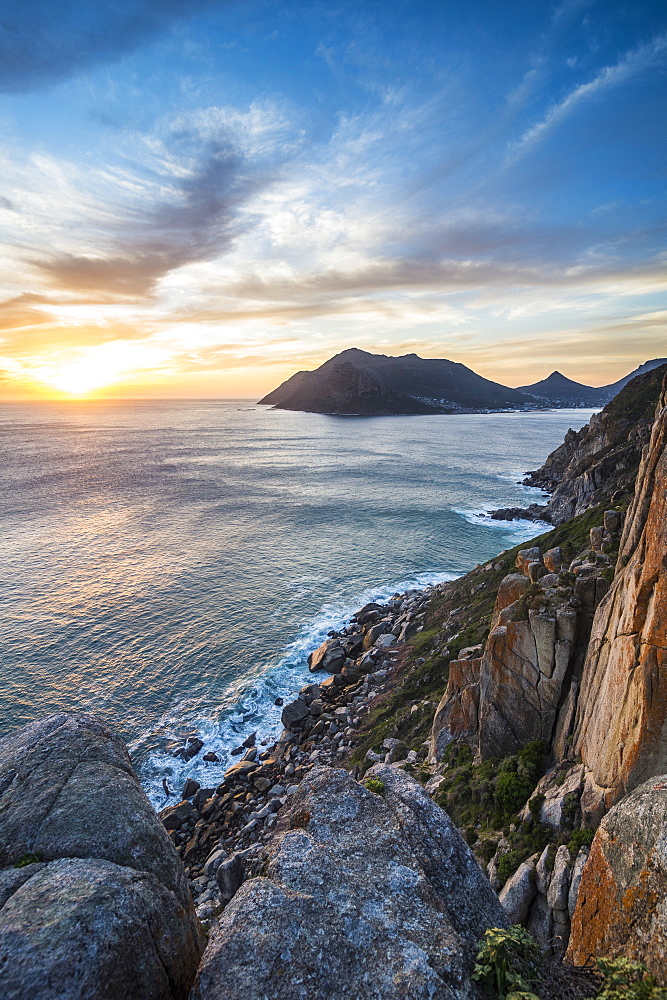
[220,832]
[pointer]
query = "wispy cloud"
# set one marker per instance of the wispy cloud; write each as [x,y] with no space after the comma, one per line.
[634,62]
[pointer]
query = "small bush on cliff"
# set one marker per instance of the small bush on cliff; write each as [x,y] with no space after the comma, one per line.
[627,980]
[374,785]
[507,961]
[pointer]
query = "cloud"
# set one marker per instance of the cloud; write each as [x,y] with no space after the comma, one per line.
[194,219]
[634,62]
[42,42]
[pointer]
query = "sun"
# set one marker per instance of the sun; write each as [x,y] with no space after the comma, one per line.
[104,365]
[82,377]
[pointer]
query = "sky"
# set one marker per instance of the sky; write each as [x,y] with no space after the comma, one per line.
[199,198]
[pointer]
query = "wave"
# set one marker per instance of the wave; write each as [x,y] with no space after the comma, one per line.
[518,530]
[248,706]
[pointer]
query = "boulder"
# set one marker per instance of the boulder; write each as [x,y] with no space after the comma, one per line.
[366,895]
[329,656]
[553,559]
[620,907]
[106,911]
[511,589]
[294,713]
[519,892]
[527,556]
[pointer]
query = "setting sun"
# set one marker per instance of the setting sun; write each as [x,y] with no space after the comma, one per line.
[101,366]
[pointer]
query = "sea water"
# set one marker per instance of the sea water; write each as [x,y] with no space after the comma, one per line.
[169,565]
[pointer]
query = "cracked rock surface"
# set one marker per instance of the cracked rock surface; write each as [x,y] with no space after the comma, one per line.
[100,906]
[366,895]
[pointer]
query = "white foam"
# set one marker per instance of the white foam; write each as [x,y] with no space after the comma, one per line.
[519,529]
[248,705]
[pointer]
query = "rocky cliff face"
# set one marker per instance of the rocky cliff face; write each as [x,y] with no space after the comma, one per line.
[620,908]
[367,894]
[621,724]
[603,457]
[93,899]
[518,689]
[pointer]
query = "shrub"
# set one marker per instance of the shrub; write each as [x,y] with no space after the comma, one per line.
[627,980]
[27,859]
[580,838]
[508,864]
[507,961]
[374,785]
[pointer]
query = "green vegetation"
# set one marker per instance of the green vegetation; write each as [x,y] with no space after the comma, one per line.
[374,785]
[627,980]
[507,962]
[488,795]
[27,859]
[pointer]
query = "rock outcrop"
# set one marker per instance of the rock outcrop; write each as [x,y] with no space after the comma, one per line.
[366,895]
[621,723]
[513,692]
[94,901]
[620,907]
[603,457]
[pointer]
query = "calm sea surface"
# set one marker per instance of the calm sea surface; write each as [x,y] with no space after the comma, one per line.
[169,565]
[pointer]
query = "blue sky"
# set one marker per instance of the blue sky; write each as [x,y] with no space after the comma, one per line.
[199,198]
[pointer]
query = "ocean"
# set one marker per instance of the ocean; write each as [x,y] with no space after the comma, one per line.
[168,565]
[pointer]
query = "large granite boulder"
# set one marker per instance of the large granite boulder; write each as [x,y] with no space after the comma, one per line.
[100,906]
[367,895]
[621,903]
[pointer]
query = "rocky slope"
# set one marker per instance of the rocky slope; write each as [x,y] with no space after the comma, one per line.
[358,383]
[602,459]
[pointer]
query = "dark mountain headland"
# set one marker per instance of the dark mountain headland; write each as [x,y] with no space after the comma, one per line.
[357,383]
[486,752]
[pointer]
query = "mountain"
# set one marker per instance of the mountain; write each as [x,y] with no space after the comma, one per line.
[561,391]
[611,390]
[603,457]
[358,383]
[558,390]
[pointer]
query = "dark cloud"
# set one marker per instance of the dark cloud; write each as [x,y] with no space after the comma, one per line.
[195,222]
[42,42]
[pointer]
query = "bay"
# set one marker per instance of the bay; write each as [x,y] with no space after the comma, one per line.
[168,565]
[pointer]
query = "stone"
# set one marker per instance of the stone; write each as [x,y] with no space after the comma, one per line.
[553,559]
[540,921]
[173,817]
[193,746]
[613,521]
[527,556]
[519,892]
[189,788]
[366,896]
[107,912]
[535,571]
[384,641]
[213,861]
[211,757]
[620,908]
[294,713]
[560,788]
[242,769]
[577,872]
[559,883]
[622,711]
[229,876]
[457,714]
[596,538]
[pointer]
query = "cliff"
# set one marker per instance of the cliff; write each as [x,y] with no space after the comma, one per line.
[358,383]
[602,459]
[621,724]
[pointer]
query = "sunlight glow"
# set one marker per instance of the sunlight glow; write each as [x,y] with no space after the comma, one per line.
[102,366]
